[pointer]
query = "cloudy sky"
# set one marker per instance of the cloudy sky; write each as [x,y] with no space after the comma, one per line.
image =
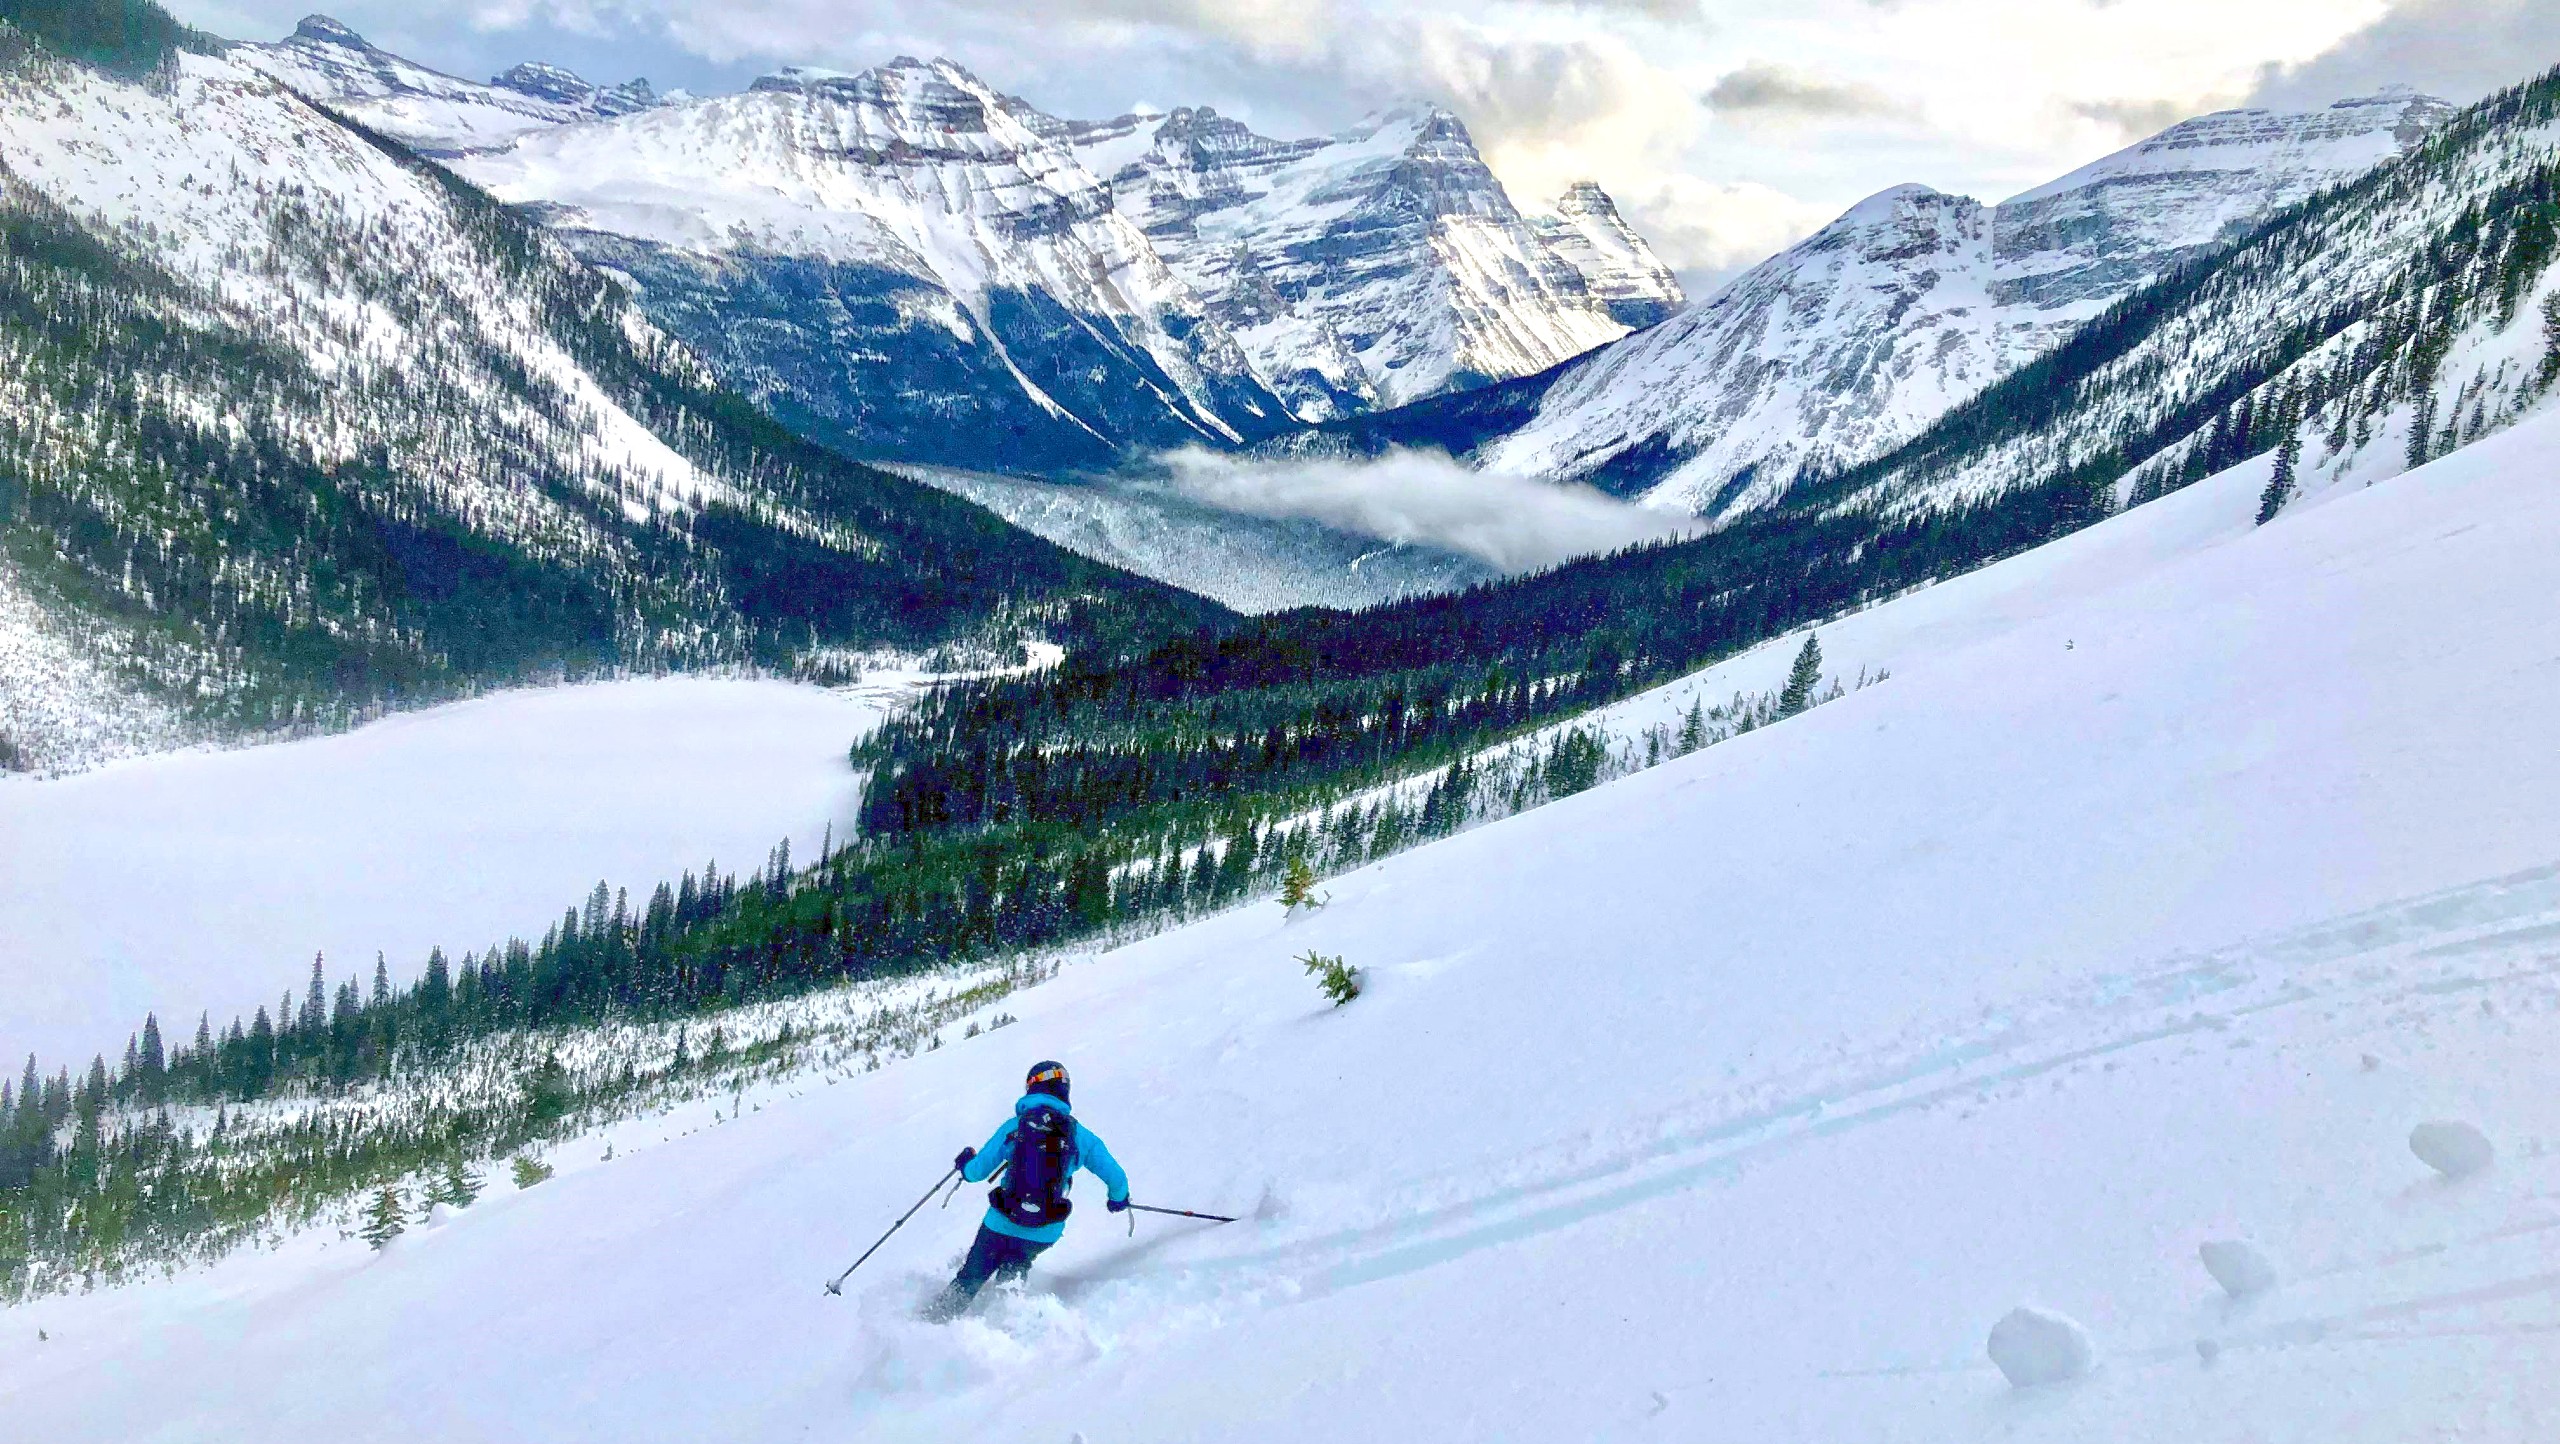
[1726,128]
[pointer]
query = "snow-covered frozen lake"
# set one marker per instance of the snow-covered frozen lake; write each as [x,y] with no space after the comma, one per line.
[208,879]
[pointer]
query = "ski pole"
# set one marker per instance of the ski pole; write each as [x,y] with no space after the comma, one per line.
[1178,1213]
[836,1285]
[990,1178]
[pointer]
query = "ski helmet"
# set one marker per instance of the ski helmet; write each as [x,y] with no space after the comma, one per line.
[1049,1078]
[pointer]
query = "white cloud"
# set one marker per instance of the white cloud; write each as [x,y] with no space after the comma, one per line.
[1709,232]
[1761,90]
[1425,498]
[2459,49]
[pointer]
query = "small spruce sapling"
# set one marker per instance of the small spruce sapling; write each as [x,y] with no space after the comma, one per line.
[1336,979]
[1298,886]
[529,1170]
[386,1219]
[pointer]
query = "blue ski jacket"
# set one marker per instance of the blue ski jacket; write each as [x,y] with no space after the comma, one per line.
[1090,1155]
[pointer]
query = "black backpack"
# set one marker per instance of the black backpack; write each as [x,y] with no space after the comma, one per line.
[1043,1154]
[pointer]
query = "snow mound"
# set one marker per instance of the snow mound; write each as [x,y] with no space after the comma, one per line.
[2037,1346]
[2452,1148]
[2238,1266]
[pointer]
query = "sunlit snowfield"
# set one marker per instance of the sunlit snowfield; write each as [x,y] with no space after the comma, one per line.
[208,879]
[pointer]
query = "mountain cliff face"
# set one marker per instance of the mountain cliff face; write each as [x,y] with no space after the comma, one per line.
[294,424]
[1381,265]
[1852,341]
[908,263]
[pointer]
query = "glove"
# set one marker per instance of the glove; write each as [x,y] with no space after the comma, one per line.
[962,1161]
[1118,1205]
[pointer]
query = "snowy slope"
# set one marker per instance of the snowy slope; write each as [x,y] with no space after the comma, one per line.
[62,703]
[431,112]
[1857,338]
[2181,869]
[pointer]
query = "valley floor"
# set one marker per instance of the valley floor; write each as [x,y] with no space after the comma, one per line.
[2179,870]
[208,879]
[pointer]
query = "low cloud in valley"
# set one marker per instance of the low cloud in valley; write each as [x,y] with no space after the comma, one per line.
[1424,498]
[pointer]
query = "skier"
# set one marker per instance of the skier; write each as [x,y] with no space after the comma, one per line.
[1038,1150]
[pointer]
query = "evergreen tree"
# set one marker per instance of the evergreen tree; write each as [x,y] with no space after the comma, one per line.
[386,1219]
[435,997]
[456,1186]
[1298,884]
[152,1067]
[315,1006]
[1336,979]
[2280,484]
[2422,430]
[1802,678]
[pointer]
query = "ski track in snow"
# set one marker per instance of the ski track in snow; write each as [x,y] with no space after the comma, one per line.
[2179,870]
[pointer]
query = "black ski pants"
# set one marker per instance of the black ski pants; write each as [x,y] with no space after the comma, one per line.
[993,1258]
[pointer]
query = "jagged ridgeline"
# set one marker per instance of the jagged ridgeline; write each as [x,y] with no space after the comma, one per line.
[297,422]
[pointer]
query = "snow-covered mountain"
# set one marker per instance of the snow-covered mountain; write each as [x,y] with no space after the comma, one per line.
[428,111]
[1857,338]
[1381,265]
[294,424]
[1616,264]
[896,257]
[908,263]
[2389,321]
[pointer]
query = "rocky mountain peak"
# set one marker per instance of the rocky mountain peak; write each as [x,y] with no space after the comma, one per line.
[1586,198]
[322,30]
[1619,269]
[916,99]
[1238,282]
[563,87]
[1901,223]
